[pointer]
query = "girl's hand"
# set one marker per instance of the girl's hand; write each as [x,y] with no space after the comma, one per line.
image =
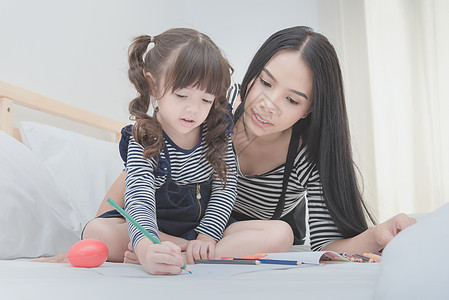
[386,231]
[201,248]
[159,259]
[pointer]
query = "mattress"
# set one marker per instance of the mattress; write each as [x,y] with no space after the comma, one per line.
[23,279]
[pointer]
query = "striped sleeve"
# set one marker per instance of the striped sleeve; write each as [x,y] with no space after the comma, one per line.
[140,192]
[322,228]
[232,94]
[221,202]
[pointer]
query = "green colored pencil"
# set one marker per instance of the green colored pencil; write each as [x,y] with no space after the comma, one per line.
[140,227]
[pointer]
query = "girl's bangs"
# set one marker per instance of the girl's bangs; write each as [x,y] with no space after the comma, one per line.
[198,65]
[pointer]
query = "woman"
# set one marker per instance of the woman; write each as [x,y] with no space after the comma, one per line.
[292,97]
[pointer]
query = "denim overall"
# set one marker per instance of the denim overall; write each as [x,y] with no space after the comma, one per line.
[179,208]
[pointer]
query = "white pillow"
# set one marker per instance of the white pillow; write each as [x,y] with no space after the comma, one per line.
[83,166]
[36,217]
[414,264]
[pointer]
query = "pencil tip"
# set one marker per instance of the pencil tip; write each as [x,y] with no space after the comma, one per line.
[186,269]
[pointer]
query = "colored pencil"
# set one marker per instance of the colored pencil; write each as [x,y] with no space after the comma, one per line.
[228,262]
[140,227]
[273,261]
[254,256]
[354,259]
[373,256]
[364,258]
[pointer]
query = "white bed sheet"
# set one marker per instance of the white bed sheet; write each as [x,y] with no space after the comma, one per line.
[23,279]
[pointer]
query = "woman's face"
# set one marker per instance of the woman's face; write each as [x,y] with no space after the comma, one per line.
[280,96]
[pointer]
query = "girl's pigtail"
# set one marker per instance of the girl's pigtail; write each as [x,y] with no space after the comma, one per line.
[219,124]
[147,131]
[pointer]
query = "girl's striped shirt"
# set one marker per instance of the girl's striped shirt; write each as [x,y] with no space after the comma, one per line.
[187,167]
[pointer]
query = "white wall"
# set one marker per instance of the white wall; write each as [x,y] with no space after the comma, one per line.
[76,51]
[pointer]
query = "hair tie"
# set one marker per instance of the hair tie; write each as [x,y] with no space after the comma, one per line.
[151,39]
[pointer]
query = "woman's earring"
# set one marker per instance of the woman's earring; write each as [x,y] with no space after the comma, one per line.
[154,104]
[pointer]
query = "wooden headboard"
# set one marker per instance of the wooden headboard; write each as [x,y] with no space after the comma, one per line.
[11,95]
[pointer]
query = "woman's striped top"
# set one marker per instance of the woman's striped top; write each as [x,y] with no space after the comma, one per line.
[187,167]
[258,195]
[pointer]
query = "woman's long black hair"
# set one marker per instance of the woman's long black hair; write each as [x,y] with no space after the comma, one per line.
[325,132]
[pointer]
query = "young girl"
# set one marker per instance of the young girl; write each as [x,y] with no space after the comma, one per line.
[180,166]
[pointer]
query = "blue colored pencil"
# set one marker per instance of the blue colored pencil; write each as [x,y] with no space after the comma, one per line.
[140,227]
[275,261]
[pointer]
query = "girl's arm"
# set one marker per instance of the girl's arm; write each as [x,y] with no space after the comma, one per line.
[211,227]
[164,258]
[374,238]
[140,192]
[117,193]
[221,201]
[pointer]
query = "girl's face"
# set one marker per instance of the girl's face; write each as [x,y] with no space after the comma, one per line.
[182,112]
[280,96]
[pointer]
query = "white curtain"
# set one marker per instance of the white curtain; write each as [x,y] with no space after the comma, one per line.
[408,62]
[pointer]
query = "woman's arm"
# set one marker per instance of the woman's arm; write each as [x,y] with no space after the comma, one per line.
[174,239]
[374,238]
[324,233]
[116,192]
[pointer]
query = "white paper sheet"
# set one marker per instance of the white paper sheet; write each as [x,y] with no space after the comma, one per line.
[198,270]
[220,271]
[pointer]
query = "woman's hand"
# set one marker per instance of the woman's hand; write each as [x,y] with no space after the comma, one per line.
[159,259]
[201,248]
[372,239]
[58,258]
[386,231]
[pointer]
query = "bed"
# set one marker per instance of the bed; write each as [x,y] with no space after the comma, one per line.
[51,182]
